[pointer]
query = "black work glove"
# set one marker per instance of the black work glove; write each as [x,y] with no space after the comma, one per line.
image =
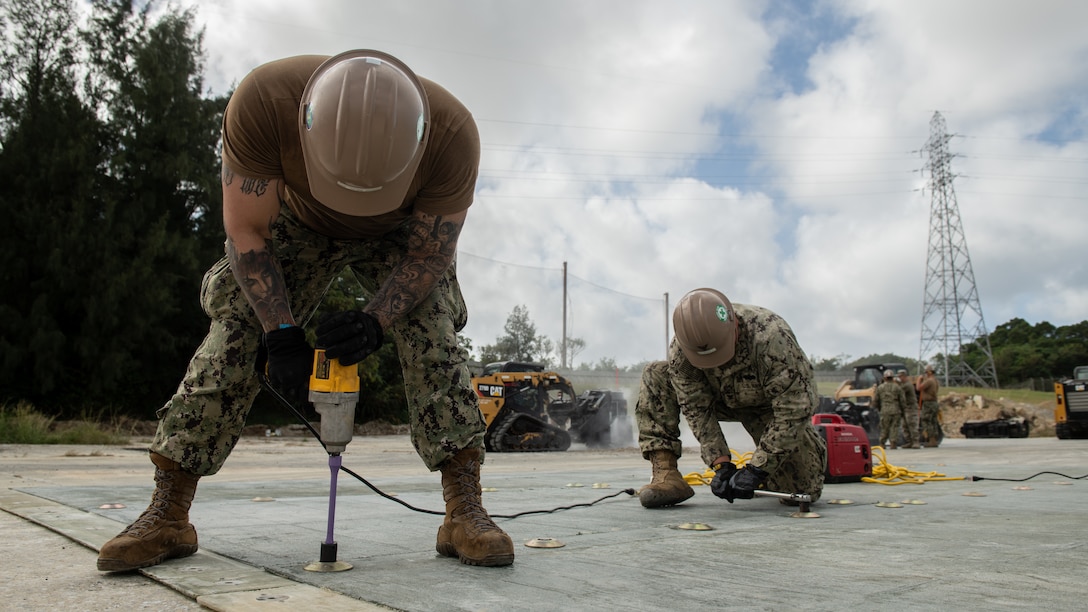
[290,362]
[350,336]
[720,484]
[743,483]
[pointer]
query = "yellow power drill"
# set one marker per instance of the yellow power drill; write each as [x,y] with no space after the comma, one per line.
[334,392]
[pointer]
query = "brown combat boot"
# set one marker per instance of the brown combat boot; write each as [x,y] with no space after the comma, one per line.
[163,531]
[667,487]
[468,533]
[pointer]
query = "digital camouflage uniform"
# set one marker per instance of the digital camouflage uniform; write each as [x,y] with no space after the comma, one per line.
[910,409]
[200,425]
[931,411]
[890,401]
[768,387]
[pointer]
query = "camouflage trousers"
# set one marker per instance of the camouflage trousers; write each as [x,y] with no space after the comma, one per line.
[931,423]
[657,413]
[200,424]
[894,420]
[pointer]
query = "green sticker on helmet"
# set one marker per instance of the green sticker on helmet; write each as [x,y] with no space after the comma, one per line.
[419,128]
[309,116]
[723,312]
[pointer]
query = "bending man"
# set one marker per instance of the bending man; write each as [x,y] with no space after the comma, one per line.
[730,362]
[331,164]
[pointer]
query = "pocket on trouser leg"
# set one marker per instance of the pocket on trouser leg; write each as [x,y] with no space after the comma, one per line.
[803,472]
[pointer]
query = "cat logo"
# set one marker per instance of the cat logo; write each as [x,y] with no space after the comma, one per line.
[489,390]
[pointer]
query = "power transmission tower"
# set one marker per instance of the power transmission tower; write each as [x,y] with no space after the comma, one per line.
[951,317]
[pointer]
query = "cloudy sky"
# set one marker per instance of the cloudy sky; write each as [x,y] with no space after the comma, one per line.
[772,150]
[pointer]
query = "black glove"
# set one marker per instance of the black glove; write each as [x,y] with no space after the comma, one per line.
[290,362]
[743,483]
[350,336]
[720,484]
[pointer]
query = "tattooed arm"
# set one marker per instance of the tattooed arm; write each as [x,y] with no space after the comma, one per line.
[432,245]
[250,206]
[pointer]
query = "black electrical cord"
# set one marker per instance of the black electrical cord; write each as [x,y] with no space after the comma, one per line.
[267,386]
[976,478]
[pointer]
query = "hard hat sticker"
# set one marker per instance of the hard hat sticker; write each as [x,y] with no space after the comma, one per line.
[419,128]
[723,312]
[309,116]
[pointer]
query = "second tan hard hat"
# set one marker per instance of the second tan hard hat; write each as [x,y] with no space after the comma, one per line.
[706,327]
[363,121]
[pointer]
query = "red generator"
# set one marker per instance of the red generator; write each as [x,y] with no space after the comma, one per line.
[848,452]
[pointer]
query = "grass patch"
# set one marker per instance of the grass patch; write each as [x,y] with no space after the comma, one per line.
[22,424]
[1022,396]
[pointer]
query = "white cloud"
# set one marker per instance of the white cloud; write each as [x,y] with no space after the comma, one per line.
[651,147]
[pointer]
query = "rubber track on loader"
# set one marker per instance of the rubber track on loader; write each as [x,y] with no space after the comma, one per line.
[520,432]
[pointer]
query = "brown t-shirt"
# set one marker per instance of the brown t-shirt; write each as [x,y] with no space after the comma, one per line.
[261,140]
[927,389]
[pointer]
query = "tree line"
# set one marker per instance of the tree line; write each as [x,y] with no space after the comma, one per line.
[109,148]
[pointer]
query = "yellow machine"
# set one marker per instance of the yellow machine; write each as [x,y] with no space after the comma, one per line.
[853,400]
[1071,406]
[334,392]
[528,409]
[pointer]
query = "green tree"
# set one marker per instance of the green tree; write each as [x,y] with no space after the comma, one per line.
[111,203]
[572,347]
[1024,352]
[162,194]
[829,364]
[50,159]
[520,343]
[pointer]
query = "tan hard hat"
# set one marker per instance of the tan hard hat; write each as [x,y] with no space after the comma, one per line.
[363,120]
[706,327]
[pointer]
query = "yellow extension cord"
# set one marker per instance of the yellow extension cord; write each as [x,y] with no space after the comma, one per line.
[884,473]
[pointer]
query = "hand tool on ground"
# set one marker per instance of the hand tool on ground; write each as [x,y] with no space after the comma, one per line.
[802,499]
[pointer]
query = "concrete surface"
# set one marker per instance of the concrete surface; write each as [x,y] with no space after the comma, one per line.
[972,545]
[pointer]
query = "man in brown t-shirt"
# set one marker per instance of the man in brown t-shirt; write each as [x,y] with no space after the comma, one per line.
[331,164]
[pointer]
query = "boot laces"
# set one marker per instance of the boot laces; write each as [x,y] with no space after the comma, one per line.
[471,507]
[150,518]
[156,512]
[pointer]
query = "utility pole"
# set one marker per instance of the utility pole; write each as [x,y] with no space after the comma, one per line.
[951,313]
[563,342]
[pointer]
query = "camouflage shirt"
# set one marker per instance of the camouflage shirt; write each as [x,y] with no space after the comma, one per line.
[909,393]
[889,396]
[768,380]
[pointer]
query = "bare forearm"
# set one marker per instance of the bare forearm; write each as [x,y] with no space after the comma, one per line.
[432,246]
[261,279]
[250,206]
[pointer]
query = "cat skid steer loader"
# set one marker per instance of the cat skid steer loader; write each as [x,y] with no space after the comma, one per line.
[529,409]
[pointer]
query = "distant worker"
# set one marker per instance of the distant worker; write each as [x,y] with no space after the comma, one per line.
[931,410]
[910,415]
[890,401]
[739,363]
[331,165]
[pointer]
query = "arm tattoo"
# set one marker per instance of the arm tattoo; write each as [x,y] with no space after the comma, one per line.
[254,186]
[261,279]
[431,249]
[248,186]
